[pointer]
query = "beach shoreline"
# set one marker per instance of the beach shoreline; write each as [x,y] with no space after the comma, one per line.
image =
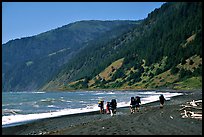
[150,120]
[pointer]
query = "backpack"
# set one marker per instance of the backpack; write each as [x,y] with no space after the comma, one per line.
[113,103]
[161,97]
[99,104]
[133,101]
[137,99]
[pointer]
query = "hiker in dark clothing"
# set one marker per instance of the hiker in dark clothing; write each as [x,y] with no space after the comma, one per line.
[138,102]
[132,105]
[161,100]
[113,105]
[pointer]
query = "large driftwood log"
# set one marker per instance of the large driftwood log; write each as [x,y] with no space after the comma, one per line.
[189,107]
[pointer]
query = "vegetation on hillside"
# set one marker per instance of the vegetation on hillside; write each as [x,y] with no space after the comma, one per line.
[162,51]
[29,63]
[165,49]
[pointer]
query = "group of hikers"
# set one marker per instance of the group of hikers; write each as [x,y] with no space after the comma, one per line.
[110,107]
[135,103]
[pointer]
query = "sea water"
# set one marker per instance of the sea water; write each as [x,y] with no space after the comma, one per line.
[23,107]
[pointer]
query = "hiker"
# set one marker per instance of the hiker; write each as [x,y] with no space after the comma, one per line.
[108,108]
[161,100]
[132,105]
[138,102]
[101,105]
[113,105]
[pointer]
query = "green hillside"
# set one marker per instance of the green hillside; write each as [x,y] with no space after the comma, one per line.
[163,51]
[29,63]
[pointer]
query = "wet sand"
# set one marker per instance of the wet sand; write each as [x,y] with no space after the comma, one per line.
[150,120]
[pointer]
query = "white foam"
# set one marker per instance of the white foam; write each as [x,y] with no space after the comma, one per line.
[17,119]
[11,110]
[122,104]
[47,100]
[51,106]
[110,93]
[35,92]
[148,92]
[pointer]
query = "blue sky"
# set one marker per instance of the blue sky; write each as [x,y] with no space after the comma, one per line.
[22,19]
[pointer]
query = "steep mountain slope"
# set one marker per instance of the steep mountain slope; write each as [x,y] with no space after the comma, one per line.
[165,51]
[28,63]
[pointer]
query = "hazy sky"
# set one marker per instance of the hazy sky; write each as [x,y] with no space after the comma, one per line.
[22,19]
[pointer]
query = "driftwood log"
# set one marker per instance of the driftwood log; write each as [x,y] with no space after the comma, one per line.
[192,109]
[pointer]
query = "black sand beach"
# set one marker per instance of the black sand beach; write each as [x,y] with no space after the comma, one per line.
[150,120]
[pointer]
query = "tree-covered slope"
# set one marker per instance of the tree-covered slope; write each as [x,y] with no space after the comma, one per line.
[30,62]
[165,50]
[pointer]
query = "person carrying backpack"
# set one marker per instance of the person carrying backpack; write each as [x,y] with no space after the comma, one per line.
[161,100]
[101,105]
[138,102]
[132,105]
[108,108]
[113,105]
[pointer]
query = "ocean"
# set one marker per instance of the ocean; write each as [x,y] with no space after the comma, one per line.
[23,107]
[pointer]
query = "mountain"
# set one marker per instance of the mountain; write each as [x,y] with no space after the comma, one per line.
[29,63]
[163,51]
